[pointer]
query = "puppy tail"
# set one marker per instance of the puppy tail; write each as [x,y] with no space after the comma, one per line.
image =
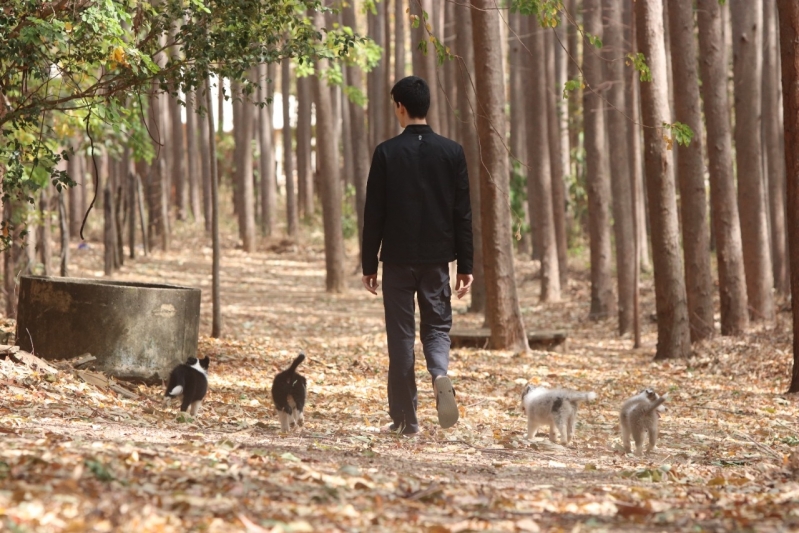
[657,403]
[577,396]
[300,358]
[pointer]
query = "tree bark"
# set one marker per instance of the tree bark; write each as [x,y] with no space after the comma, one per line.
[747,28]
[267,159]
[789,55]
[539,180]
[503,313]
[425,64]
[288,163]
[670,298]
[205,164]
[621,180]
[724,212]
[573,72]
[46,235]
[216,322]
[597,180]
[691,172]
[244,125]
[558,142]
[772,145]
[471,147]
[77,173]
[177,157]
[376,79]
[330,182]
[64,233]
[304,173]
[193,156]
[399,39]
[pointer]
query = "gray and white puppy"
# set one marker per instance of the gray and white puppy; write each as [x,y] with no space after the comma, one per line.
[556,408]
[638,415]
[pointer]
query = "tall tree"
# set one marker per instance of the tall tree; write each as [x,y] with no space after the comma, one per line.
[789,54]
[244,127]
[670,298]
[399,39]
[288,149]
[691,172]
[597,180]
[503,313]
[620,176]
[330,184]
[177,156]
[724,211]
[471,146]
[193,157]
[304,171]
[216,321]
[558,143]
[205,163]
[376,78]
[267,148]
[76,171]
[772,146]
[747,29]
[539,180]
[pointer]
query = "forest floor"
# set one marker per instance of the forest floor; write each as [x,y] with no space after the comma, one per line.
[76,457]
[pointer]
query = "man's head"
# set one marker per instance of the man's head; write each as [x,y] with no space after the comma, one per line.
[411,97]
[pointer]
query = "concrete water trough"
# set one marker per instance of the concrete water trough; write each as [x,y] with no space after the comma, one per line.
[137,331]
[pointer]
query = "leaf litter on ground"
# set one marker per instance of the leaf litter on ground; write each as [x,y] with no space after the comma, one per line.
[79,454]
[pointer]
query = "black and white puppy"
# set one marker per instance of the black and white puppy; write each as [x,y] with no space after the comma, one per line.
[288,393]
[189,379]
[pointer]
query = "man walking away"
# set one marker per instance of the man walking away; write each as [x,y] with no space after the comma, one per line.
[418,210]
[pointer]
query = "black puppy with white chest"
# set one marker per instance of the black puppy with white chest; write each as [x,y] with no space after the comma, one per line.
[189,379]
[288,393]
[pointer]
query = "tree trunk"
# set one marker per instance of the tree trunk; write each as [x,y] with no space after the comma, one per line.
[304,174]
[192,156]
[450,68]
[471,147]
[177,158]
[399,39]
[330,183]
[13,215]
[267,160]
[64,234]
[747,28]
[670,299]
[77,173]
[724,212]
[691,172]
[503,313]
[216,324]
[772,146]
[243,118]
[376,78]
[157,181]
[573,72]
[597,180]
[205,163]
[109,239]
[621,181]
[539,180]
[789,55]
[558,143]
[130,181]
[519,78]
[46,235]
[288,164]
[425,64]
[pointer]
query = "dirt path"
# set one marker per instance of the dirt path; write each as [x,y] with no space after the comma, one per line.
[77,458]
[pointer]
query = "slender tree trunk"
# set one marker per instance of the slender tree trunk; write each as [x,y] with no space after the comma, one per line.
[178,158]
[471,146]
[573,72]
[266,162]
[77,173]
[399,38]
[359,134]
[64,234]
[503,313]
[724,212]
[450,68]
[330,182]
[216,325]
[390,127]
[108,231]
[205,164]
[636,179]
[46,235]
[539,180]
[747,28]
[621,181]
[789,55]
[13,216]
[288,164]
[130,181]
[193,156]
[304,174]
[376,79]
[772,145]
[157,181]
[519,79]
[597,182]
[691,172]
[558,143]
[670,298]
[425,64]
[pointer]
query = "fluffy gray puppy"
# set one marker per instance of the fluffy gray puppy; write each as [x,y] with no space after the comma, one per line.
[556,408]
[639,415]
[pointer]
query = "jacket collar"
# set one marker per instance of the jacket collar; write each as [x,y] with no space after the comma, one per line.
[417,128]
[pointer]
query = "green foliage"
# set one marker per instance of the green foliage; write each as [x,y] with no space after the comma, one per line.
[682,133]
[638,61]
[595,40]
[547,11]
[571,85]
[72,67]
[518,198]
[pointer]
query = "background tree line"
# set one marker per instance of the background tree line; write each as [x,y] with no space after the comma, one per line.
[653,134]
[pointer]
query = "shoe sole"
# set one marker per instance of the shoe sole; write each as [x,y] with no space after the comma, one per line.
[447,408]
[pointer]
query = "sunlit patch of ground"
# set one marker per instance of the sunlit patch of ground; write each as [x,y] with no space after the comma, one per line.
[75,458]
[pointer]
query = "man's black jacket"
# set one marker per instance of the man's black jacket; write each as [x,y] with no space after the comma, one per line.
[417,202]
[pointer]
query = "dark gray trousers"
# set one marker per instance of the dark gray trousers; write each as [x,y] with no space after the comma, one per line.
[430,284]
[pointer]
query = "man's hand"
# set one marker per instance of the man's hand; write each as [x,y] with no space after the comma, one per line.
[462,284]
[370,283]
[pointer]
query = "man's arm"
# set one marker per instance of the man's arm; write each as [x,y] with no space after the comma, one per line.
[374,215]
[464,245]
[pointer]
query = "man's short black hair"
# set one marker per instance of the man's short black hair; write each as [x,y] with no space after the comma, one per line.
[414,93]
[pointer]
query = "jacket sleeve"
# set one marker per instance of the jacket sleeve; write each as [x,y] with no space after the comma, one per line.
[374,216]
[464,245]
